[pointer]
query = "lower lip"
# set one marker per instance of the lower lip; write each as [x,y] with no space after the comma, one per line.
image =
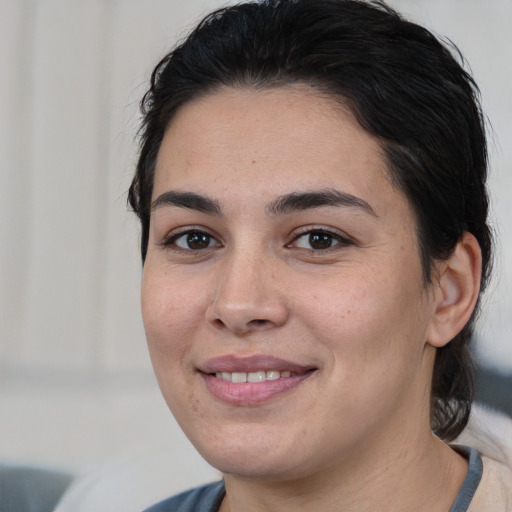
[251,393]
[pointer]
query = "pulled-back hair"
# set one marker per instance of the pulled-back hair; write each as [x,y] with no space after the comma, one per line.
[403,85]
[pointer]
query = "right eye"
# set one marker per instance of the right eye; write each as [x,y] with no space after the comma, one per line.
[192,240]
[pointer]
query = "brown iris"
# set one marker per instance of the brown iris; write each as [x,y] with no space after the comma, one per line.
[320,240]
[197,240]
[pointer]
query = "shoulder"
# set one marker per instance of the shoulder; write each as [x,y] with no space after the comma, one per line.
[491,434]
[206,498]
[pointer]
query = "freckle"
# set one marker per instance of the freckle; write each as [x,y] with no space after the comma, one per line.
[253,162]
[195,405]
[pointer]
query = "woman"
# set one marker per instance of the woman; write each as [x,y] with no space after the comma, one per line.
[311,189]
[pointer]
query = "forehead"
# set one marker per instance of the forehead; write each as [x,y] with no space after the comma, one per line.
[269,142]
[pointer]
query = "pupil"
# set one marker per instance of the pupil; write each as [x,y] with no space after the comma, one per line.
[320,241]
[198,240]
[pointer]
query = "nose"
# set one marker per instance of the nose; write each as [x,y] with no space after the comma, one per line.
[248,297]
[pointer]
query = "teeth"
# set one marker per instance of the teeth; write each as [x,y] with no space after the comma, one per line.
[239,377]
[256,376]
[259,376]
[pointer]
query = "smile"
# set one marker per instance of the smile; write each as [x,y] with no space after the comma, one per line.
[257,376]
[252,381]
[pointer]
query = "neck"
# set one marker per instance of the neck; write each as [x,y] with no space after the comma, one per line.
[416,476]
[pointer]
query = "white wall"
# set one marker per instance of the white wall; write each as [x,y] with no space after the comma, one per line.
[75,379]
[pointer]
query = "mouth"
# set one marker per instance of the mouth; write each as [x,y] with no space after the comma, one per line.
[257,376]
[254,380]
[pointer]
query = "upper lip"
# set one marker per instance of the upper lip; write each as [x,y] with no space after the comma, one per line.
[233,363]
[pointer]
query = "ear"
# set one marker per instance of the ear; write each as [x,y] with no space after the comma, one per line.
[455,291]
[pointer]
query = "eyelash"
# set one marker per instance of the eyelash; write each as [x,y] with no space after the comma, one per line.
[170,241]
[335,236]
[333,239]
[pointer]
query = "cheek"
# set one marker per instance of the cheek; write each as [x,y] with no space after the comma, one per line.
[372,328]
[170,313]
[366,316]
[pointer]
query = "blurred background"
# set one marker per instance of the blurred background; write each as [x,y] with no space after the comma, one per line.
[76,386]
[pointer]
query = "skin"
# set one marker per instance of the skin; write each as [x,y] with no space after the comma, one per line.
[355,434]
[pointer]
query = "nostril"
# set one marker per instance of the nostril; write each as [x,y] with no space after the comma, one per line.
[243,316]
[217,322]
[258,322]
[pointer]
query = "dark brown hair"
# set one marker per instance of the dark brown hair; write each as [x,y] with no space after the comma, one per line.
[404,86]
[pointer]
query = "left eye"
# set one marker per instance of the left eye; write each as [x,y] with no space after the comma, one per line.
[318,240]
[193,240]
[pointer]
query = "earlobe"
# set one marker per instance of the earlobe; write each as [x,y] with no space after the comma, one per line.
[456,291]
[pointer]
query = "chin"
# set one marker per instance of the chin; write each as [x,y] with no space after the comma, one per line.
[256,468]
[261,457]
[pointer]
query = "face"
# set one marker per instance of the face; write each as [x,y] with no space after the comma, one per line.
[282,296]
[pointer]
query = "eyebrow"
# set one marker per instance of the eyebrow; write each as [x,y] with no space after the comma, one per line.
[285,204]
[298,201]
[188,200]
